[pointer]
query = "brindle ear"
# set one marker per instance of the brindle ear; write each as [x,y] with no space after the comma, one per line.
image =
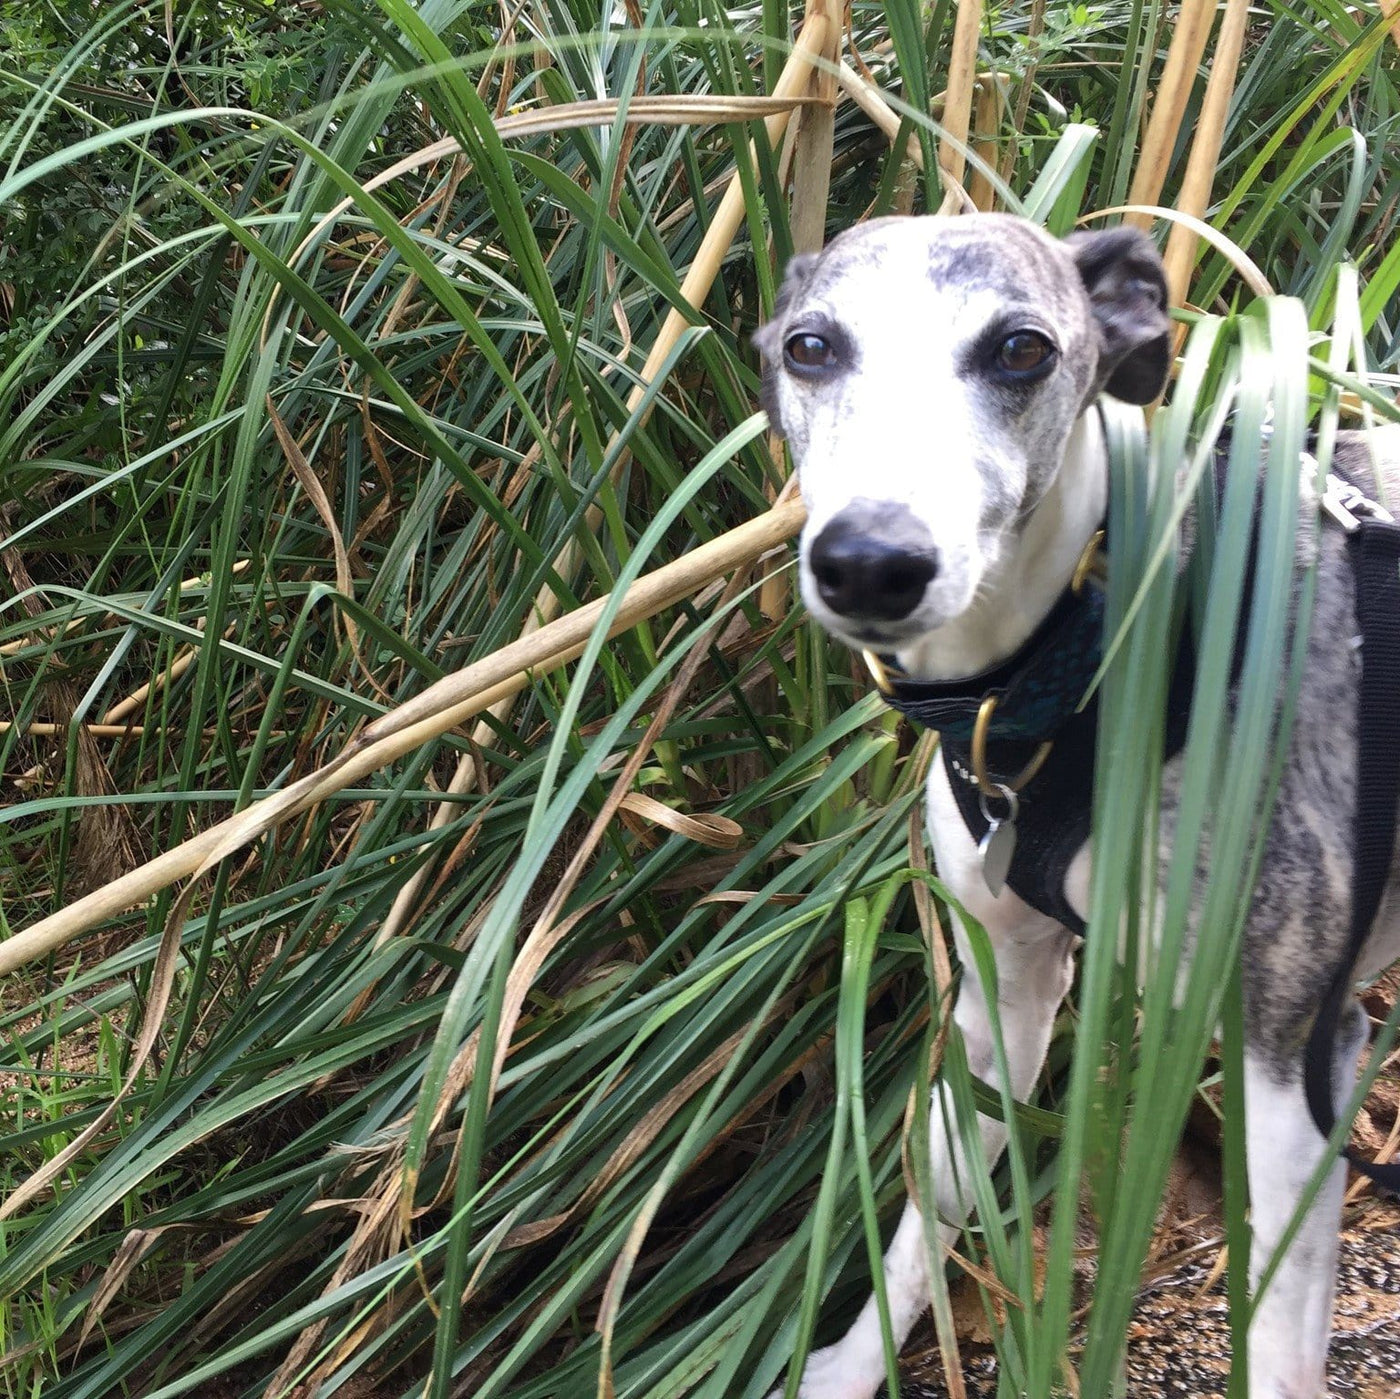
[769,336]
[1122,272]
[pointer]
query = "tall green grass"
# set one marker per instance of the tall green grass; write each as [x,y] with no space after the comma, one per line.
[292,471]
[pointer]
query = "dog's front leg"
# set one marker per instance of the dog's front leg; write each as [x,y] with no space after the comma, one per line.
[1034,963]
[1292,1321]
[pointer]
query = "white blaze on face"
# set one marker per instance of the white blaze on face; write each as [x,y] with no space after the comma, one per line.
[910,419]
[900,428]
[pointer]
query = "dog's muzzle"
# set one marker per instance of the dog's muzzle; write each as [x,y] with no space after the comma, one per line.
[872,562]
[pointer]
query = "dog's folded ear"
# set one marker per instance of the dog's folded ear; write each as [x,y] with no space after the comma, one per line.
[769,336]
[1122,272]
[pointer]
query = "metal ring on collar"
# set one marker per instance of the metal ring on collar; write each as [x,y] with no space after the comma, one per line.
[1013,805]
[980,773]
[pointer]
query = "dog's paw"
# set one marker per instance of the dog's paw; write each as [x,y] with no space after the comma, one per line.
[828,1375]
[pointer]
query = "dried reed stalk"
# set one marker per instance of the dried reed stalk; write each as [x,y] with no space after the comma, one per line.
[987,114]
[816,132]
[872,102]
[441,707]
[1194,197]
[1188,44]
[1035,30]
[957,105]
[46,728]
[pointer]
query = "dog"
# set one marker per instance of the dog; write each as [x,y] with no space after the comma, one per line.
[936,380]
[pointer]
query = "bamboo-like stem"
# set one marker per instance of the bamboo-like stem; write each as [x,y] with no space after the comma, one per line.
[441,707]
[957,105]
[128,706]
[138,697]
[1188,44]
[46,728]
[986,124]
[816,133]
[28,643]
[1194,197]
[812,41]
[871,100]
[25,643]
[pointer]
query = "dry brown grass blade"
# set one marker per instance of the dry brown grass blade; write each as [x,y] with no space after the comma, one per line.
[716,832]
[957,105]
[1194,197]
[644,1133]
[1189,37]
[548,931]
[622,1265]
[137,1244]
[316,493]
[395,1183]
[440,708]
[793,83]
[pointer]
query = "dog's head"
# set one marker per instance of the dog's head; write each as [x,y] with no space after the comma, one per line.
[927,373]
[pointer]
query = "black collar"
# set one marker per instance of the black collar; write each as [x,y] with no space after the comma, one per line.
[1036,689]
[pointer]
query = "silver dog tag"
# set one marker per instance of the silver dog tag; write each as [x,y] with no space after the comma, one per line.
[996,848]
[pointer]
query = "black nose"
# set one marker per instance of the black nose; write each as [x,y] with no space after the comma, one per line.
[873,562]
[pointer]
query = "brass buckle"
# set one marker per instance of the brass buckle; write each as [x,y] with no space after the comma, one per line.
[980,775]
[1092,566]
[879,673]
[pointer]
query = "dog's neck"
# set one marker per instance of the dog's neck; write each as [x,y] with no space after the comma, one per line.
[1036,566]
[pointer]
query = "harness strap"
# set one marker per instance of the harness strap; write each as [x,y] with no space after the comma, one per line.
[1375,555]
[1054,815]
[1039,692]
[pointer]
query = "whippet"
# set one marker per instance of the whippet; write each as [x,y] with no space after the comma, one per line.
[936,380]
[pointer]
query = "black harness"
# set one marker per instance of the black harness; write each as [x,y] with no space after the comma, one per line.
[1018,743]
[1039,723]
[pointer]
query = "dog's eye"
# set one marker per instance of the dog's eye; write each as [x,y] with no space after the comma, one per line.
[808,351]
[1023,353]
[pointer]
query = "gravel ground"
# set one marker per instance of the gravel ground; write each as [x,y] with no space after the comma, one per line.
[1180,1343]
